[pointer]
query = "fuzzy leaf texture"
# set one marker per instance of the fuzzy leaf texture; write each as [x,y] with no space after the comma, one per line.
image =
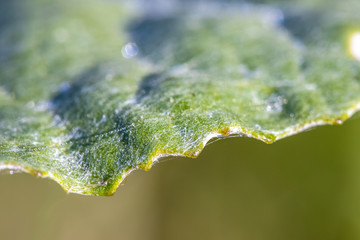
[91,90]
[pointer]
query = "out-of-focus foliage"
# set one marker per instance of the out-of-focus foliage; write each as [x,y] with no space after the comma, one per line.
[90,91]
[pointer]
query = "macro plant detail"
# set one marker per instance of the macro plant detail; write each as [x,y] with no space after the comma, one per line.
[92,90]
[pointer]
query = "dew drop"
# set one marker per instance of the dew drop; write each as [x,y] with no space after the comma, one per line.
[130,50]
[15,149]
[257,127]
[103,118]
[274,104]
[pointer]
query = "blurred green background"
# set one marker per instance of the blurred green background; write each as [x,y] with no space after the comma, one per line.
[303,187]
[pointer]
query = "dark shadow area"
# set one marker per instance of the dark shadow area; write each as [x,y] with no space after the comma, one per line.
[303,25]
[69,91]
[72,104]
[11,13]
[7,13]
[147,85]
[154,34]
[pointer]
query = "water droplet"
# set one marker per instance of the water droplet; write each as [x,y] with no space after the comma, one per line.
[274,104]
[130,50]
[15,149]
[257,127]
[103,118]
[354,45]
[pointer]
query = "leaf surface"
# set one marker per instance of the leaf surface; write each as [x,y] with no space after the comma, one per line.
[90,91]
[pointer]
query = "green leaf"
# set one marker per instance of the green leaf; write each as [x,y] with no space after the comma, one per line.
[78,107]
